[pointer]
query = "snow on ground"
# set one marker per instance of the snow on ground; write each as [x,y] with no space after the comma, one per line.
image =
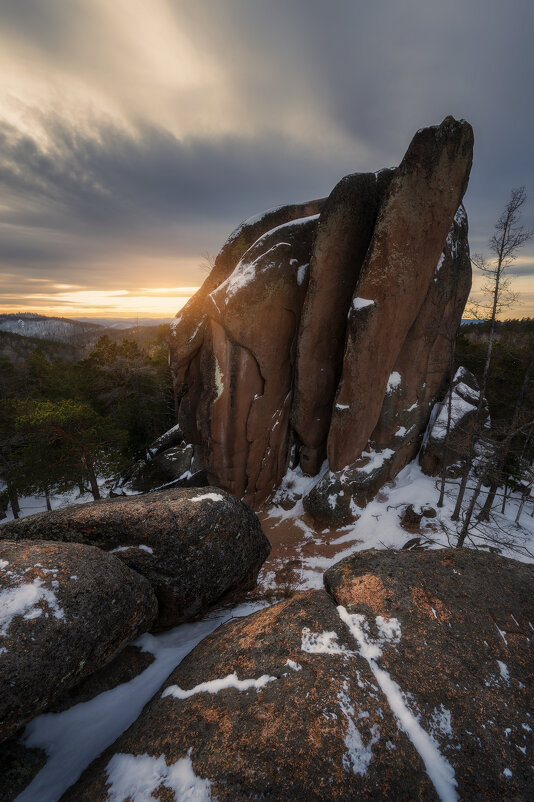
[74,738]
[378,526]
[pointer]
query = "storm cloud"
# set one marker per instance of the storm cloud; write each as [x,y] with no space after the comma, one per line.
[139,131]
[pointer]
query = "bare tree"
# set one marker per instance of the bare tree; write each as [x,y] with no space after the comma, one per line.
[508,237]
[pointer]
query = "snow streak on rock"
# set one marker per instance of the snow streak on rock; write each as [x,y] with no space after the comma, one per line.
[438,768]
[216,685]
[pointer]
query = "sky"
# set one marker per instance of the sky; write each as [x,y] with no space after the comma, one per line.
[136,134]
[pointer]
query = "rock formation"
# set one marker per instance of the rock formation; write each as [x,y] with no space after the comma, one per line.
[193,545]
[417,686]
[65,611]
[325,330]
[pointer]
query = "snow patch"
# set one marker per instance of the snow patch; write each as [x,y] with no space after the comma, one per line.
[301,273]
[23,600]
[394,381]
[293,665]
[321,643]
[136,777]
[361,303]
[208,497]
[216,685]
[503,668]
[358,755]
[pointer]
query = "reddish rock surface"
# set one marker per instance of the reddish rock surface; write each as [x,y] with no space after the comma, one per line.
[247,363]
[424,360]
[65,610]
[316,731]
[187,330]
[271,368]
[418,686]
[193,545]
[346,227]
[464,658]
[409,237]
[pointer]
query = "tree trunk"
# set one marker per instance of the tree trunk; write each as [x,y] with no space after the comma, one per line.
[461,492]
[469,514]
[520,510]
[505,446]
[14,500]
[47,497]
[504,498]
[95,492]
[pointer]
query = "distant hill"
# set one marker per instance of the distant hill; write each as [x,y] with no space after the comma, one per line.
[126,322]
[62,338]
[16,348]
[57,329]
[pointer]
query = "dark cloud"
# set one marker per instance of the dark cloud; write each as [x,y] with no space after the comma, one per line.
[315,91]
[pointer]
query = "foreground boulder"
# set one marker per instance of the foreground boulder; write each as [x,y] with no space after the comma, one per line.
[288,711]
[464,654]
[325,329]
[417,686]
[193,545]
[65,610]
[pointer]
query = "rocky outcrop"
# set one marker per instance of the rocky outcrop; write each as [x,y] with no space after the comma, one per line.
[271,367]
[408,239]
[65,610]
[416,686]
[452,426]
[187,330]
[347,222]
[193,545]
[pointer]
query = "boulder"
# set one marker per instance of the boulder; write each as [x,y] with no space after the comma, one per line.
[177,466]
[346,227]
[408,238]
[66,609]
[440,449]
[416,686]
[276,706]
[193,545]
[334,500]
[463,656]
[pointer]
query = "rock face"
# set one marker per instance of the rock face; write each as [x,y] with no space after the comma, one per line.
[193,545]
[417,686]
[347,222]
[272,366]
[65,611]
[439,448]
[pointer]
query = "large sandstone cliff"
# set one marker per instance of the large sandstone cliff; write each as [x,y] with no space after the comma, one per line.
[324,329]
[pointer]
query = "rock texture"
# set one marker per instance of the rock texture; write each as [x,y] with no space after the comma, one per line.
[347,222]
[273,367]
[65,610]
[193,545]
[409,236]
[417,686]
[464,656]
[448,448]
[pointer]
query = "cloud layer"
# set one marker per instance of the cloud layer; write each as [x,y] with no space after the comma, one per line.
[134,136]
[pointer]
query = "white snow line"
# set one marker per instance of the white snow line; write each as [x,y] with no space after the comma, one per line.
[208,497]
[216,685]
[438,768]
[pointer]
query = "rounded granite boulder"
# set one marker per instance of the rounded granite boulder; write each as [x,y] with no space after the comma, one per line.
[65,611]
[194,545]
